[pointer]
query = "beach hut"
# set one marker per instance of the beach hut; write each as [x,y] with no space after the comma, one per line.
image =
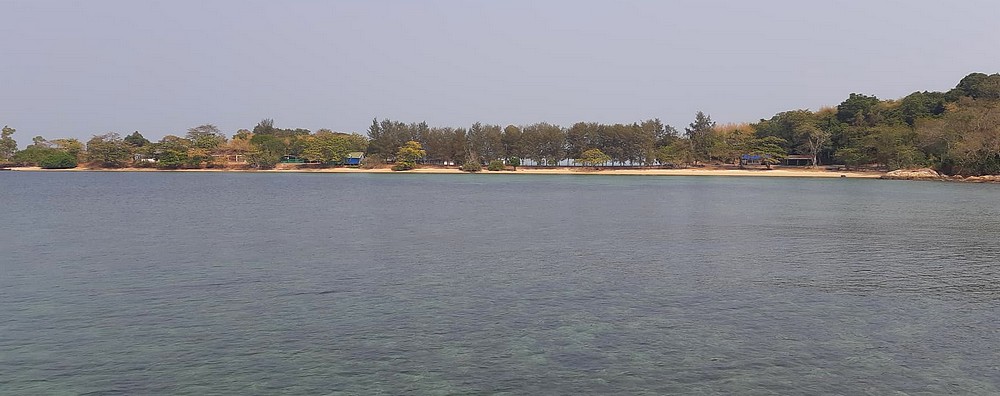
[751,159]
[798,160]
[354,158]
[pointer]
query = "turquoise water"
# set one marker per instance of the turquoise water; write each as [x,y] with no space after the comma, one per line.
[194,284]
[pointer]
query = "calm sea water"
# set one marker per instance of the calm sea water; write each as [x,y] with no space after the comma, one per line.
[195,284]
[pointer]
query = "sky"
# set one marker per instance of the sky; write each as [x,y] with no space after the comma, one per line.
[81,68]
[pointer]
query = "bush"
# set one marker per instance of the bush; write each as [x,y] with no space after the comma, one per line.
[371,162]
[472,166]
[402,166]
[58,160]
[495,165]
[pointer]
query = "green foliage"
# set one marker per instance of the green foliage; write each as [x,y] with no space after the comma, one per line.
[108,151]
[978,86]
[171,152]
[699,134]
[514,162]
[919,105]
[267,151]
[410,152]
[32,155]
[407,156]
[206,137]
[136,140]
[675,153]
[965,140]
[265,127]
[7,144]
[71,146]
[495,166]
[593,157]
[544,143]
[331,148]
[471,166]
[58,160]
[802,130]
[770,148]
[858,110]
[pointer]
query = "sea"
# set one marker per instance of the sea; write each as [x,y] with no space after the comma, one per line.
[160,283]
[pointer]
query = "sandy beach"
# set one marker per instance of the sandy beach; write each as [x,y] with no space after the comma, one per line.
[286,168]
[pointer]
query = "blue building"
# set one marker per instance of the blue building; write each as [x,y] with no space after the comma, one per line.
[354,158]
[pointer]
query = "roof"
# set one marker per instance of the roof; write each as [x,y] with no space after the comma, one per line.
[355,154]
[799,157]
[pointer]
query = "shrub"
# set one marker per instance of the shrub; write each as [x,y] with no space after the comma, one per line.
[402,166]
[370,162]
[495,165]
[58,160]
[472,166]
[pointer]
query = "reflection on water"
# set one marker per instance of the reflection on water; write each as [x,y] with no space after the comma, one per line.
[161,283]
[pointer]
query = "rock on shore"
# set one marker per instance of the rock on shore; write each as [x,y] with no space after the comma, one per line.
[913,174]
[930,174]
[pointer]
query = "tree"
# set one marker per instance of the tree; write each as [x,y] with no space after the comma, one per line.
[264,127]
[769,148]
[978,86]
[965,140]
[331,148]
[267,151]
[58,160]
[544,143]
[858,110]
[171,152]
[514,162]
[206,136]
[7,144]
[593,157]
[136,140]
[108,150]
[32,155]
[699,134]
[678,151]
[71,146]
[495,165]
[39,141]
[511,142]
[407,155]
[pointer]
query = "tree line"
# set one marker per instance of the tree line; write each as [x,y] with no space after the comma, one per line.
[956,132]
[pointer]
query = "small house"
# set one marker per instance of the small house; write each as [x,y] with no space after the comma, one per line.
[354,158]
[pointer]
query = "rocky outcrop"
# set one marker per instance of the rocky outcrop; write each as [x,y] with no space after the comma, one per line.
[982,179]
[913,174]
[930,174]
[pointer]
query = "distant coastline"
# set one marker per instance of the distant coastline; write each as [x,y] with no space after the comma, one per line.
[707,171]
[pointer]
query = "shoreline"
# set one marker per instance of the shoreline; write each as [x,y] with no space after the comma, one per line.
[778,172]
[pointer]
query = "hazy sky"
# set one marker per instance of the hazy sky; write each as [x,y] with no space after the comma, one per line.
[79,68]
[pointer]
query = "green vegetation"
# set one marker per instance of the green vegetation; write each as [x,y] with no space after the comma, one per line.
[593,157]
[495,166]
[407,156]
[471,166]
[58,160]
[955,132]
[8,146]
